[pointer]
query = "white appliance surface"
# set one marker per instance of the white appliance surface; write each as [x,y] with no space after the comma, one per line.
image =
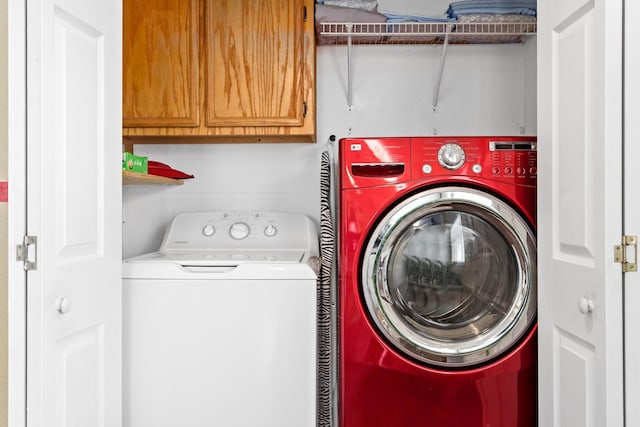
[220,328]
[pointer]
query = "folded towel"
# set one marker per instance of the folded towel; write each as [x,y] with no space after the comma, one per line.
[337,14]
[368,5]
[502,7]
[423,8]
[391,17]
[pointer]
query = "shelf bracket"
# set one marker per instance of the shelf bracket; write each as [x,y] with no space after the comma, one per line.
[349,28]
[443,56]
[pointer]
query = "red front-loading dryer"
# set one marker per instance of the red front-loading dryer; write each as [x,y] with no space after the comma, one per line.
[437,282]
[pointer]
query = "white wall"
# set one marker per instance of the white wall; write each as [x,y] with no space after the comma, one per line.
[485,90]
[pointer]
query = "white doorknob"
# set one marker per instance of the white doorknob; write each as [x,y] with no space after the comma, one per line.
[63,305]
[585,305]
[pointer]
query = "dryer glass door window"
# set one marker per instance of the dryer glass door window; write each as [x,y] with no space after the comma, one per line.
[449,277]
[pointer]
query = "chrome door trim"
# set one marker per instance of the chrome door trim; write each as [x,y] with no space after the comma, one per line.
[404,334]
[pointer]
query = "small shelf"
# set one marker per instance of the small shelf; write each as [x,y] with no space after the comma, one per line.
[134,178]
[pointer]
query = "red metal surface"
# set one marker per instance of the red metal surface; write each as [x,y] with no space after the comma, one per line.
[378,386]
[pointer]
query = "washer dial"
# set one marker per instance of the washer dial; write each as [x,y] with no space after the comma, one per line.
[451,156]
[239,230]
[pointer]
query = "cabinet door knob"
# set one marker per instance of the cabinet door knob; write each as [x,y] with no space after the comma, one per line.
[585,306]
[63,305]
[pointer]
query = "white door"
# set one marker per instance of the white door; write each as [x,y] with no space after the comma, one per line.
[74,208]
[580,212]
[632,207]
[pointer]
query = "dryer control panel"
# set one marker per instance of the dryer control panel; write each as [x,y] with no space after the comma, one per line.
[516,159]
[507,159]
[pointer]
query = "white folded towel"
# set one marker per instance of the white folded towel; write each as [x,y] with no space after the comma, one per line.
[423,8]
[369,5]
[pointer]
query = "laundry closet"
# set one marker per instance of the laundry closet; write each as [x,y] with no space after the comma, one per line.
[388,90]
[380,86]
[356,90]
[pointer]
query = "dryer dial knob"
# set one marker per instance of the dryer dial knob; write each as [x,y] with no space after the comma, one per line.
[451,156]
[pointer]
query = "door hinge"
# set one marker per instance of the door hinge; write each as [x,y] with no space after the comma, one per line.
[625,252]
[305,14]
[22,252]
[304,109]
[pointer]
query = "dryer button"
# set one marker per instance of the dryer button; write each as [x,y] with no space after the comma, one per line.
[476,168]
[427,169]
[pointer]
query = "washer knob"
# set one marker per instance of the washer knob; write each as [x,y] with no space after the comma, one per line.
[208,230]
[239,230]
[270,230]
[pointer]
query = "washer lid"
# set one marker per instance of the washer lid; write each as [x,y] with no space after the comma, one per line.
[449,277]
[196,266]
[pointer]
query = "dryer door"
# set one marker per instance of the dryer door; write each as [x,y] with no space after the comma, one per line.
[449,276]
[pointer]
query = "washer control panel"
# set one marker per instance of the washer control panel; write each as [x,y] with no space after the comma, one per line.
[234,230]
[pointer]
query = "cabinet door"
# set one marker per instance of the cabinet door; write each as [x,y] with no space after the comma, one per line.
[256,63]
[160,63]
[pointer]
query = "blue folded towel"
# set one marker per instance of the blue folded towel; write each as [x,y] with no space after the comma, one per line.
[392,17]
[516,7]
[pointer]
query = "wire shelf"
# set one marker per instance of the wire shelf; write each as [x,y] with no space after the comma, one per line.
[425,33]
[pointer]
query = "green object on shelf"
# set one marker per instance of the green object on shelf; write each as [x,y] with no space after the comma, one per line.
[133,163]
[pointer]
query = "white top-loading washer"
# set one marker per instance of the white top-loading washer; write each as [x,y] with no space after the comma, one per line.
[220,323]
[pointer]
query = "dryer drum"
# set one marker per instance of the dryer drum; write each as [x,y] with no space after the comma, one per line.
[449,276]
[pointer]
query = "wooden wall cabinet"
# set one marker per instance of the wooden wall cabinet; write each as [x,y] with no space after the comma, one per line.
[228,70]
